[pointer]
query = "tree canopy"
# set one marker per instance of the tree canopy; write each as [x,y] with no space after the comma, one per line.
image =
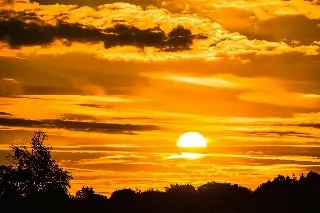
[32,172]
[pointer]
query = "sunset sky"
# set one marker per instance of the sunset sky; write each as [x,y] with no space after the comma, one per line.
[114,84]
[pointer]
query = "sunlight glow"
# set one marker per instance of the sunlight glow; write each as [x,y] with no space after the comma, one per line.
[192,140]
[213,82]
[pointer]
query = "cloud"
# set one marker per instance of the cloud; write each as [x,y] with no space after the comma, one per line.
[62,157]
[18,33]
[311,125]
[68,157]
[96,106]
[77,126]
[104,149]
[131,167]
[78,117]
[281,98]
[282,71]
[284,28]
[309,151]
[10,80]
[94,3]
[277,134]
[5,114]
[260,9]
[263,90]
[279,78]
[64,74]
[125,35]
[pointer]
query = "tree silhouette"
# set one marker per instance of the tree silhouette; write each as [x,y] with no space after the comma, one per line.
[153,201]
[218,196]
[124,194]
[85,193]
[33,172]
[180,189]
[8,190]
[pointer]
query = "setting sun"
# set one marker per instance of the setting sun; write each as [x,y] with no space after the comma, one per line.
[192,140]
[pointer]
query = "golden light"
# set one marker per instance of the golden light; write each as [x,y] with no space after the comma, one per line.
[191,140]
[186,155]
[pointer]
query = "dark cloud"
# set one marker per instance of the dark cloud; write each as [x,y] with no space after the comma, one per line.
[77,126]
[278,134]
[16,32]
[5,114]
[312,125]
[284,28]
[308,125]
[95,106]
[66,157]
[20,15]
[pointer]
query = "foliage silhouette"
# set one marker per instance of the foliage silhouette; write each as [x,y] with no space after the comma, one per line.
[32,175]
[86,193]
[35,182]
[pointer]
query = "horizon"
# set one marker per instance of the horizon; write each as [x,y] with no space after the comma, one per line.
[34,147]
[116,84]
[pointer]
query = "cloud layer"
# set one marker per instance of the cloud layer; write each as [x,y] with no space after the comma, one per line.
[118,31]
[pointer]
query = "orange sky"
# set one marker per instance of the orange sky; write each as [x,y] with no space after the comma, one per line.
[116,83]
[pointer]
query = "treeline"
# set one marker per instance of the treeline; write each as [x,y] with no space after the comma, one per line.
[34,182]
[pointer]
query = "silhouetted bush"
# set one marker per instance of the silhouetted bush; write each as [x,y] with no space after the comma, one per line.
[86,193]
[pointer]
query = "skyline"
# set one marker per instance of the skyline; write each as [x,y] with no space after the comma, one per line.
[115,84]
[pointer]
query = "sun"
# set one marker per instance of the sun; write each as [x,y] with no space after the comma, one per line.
[191,140]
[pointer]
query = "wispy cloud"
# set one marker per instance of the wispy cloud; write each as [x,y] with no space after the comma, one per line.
[5,114]
[77,126]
